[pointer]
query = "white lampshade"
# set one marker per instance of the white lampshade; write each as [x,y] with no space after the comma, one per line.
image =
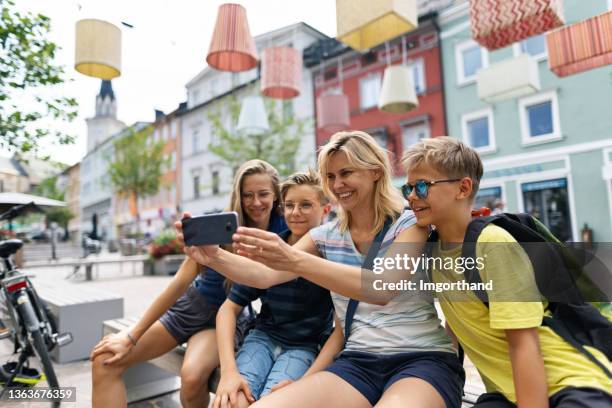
[397,94]
[253,118]
[508,79]
[98,49]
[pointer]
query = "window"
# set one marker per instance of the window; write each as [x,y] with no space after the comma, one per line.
[412,133]
[381,137]
[534,46]
[215,182]
[418,76]
[470,57]
[369,90]
[478,130]
[490,197]
[195,141]
[540,118]
[173,129]
[196,185]
[548,201]
[173,161]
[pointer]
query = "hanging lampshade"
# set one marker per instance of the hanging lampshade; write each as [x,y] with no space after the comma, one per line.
[397,94]
[281,72]
[508,79]
[333,112]
[363,24]
[97,49]
[498,23]
[232,48]
[253,119]
[582,46]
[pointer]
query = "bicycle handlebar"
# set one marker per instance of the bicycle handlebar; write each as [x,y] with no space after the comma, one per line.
[18,210]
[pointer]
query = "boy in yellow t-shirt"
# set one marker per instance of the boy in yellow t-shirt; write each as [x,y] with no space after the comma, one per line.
[520,361]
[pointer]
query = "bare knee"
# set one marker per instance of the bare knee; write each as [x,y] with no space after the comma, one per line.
[192,385]
[101,372]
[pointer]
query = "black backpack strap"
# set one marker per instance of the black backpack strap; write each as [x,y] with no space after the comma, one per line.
[367,264]
[468,251]
[557,326]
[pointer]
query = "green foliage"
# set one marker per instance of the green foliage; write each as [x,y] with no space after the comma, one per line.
[26,62]
[136,168]
[278,146]
[49,188]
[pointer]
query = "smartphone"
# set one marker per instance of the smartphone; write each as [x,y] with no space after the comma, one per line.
[210,229]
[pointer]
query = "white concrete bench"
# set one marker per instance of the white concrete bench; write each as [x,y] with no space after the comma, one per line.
[158,376]
[79,311]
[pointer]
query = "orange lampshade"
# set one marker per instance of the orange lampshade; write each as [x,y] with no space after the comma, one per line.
[333,112]
[232,48]
[580,47]
[281,72]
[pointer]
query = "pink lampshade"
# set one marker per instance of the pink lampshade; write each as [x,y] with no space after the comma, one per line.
[333,112]
[498,23]
[281,72]
[232,48]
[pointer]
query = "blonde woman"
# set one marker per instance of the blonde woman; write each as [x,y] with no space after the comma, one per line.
[186,310]
[396,353]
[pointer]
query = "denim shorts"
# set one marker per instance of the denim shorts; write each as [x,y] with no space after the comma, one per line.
[192,314]
[264,362]
[372,374]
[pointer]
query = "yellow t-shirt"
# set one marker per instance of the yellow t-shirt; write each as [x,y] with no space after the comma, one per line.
[481,331]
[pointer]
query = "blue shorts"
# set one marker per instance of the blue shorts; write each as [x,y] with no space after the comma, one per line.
[264,362]
[372,374]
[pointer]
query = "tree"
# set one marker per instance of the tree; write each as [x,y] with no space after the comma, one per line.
[26,63]
[62,215]
[135,170]
[278,146]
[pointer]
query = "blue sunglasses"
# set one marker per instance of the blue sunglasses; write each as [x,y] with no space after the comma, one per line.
[421,187]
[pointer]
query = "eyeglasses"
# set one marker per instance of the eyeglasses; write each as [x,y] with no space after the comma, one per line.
[261,195]
[422,187]
[305,208]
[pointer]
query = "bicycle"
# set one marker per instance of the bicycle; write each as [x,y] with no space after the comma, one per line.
[33,327]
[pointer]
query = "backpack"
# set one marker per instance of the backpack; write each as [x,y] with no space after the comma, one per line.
[560,280]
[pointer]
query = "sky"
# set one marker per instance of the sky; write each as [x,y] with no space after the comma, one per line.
[166,48]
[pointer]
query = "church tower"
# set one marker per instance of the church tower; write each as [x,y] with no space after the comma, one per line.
[104,124]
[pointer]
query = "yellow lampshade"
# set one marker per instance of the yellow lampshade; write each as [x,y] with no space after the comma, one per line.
[98,49]
[363,24]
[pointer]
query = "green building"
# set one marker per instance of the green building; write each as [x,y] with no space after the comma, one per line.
[548,153]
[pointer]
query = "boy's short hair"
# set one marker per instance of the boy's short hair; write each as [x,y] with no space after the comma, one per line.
[447,155]
[309,178]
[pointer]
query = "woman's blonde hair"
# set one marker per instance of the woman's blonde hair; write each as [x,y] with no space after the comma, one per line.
[248,169]
[364,153]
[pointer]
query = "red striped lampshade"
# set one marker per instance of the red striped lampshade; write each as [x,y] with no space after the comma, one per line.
[499,23]
[333,112]
[581,46]
[232,48]
[281,72]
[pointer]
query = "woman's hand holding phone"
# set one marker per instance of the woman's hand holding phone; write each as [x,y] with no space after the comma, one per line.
[200,254]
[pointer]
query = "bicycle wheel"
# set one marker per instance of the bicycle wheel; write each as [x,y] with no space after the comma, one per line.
[30,321]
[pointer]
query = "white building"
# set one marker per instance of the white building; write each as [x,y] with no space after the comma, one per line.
[206,180]
[95,194]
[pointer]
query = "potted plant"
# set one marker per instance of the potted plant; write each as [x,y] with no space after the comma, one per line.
[166,253]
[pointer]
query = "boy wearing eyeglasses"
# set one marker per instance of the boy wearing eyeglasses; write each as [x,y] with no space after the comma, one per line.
[295,319]
[520,361]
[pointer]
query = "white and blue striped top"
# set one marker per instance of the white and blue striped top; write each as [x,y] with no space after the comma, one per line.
[397,327]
